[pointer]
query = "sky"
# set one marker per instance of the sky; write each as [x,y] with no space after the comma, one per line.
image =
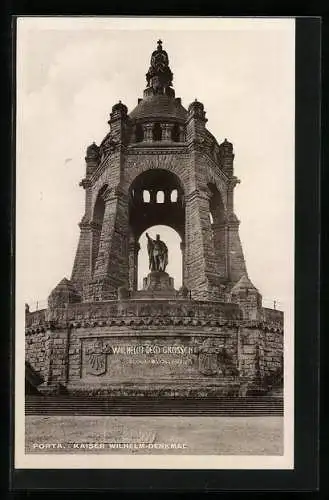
[70,72]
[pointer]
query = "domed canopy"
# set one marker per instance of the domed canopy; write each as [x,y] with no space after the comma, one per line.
[92,151]
[159,97]
[159,106]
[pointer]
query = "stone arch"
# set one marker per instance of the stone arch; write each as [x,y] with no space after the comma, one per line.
[144,214]
[175,255]
[138,165]
[212,175]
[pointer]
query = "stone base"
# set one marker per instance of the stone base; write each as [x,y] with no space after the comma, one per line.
[51,389]
[154,346]
[158,280]
[228,388]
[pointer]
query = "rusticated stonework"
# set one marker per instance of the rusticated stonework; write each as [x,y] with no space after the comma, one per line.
[100,334]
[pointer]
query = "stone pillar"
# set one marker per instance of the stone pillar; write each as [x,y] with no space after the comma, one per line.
[111,269]
[49,341]
[196,121]
[153,196]
[220,236]
[166,131]
[118,121]
[200,259]
[133,250]
[184,270]
[230,194]
[82,262]
[167,193]
[148,132]
[227,157]
[235,258]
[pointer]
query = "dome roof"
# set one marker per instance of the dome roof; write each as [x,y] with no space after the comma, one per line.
[159,106]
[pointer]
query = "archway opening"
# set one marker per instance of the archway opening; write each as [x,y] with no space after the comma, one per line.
[175,262]
[98,216]
[146,196]
[157,207]
[160,197]
[216,206]
[173,196]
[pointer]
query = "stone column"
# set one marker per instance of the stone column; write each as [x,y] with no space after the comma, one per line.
[200,258]
[167,193]
[111,269]
[133,250]
[166,131]
[153,196]
[148,134]
[184,273]
[220,235]
[82,263]
[236,266]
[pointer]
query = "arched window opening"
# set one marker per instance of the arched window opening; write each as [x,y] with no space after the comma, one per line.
[211,218]
[175,260]
[216,205]
[175,133]
[98,216]
[157,132]
[174,196]
[160,197]
[139,134]
[146,196]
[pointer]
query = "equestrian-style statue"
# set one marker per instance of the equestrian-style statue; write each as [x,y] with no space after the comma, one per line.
[158,253]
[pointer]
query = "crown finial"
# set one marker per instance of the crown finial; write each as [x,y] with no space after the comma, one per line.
[159,76]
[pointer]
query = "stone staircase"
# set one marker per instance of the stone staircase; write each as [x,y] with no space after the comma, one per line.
[134,406]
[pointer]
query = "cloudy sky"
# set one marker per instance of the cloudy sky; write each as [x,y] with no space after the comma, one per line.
[69,74]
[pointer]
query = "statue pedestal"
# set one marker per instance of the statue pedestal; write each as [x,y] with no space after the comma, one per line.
[158,280]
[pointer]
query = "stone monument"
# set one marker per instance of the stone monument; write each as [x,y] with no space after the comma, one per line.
[100,333]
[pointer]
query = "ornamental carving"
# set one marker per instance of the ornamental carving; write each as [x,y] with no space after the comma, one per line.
[96,357]
[215,359]
[208,358]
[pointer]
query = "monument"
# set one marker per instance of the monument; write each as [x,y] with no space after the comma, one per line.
[100,334]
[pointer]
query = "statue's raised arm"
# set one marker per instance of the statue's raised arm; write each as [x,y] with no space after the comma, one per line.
[158,253]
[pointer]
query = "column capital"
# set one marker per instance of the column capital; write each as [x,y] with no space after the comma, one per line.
[85,183]
[167,126]
[233,182]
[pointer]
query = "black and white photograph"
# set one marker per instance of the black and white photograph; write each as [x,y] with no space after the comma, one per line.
[155,163]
